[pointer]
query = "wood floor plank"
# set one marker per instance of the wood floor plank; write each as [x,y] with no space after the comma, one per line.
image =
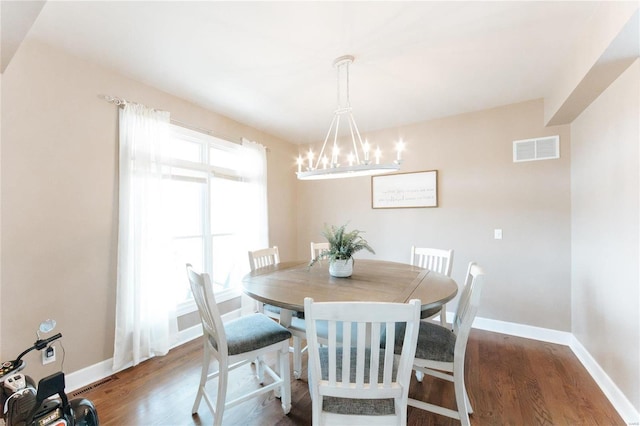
[530,398]
[498,396]
[510,381]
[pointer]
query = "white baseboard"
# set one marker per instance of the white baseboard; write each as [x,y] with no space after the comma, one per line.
[94,373]
[522,330]
[620,402]
[86,376]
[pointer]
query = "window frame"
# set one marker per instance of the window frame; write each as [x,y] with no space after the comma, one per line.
[207,144]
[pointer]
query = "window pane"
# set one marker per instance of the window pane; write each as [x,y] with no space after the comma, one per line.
[180,149]
[184,206]
[228,159]
[226,196]
[229,259]
[186,250]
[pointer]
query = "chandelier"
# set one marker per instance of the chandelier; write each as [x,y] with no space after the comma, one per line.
[360,160]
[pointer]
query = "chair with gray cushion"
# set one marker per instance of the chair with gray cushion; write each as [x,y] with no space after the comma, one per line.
[270,256]
[260,259]
[437,260]
[318,248]
[237,343]
[351,380]
[441,351]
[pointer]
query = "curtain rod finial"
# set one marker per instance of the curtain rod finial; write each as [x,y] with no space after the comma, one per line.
[113,100]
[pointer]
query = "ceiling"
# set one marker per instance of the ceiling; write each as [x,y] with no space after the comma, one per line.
[269,64]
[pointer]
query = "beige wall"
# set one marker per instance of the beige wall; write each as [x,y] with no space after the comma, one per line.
[1,214]
[605,231]
[563,102]
[59,198]
[480,189]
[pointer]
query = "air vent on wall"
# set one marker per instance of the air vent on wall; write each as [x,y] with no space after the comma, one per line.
[545,148]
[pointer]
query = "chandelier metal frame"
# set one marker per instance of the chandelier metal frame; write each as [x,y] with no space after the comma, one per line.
[359,160]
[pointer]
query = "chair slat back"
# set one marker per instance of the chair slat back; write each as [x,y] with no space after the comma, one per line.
[357,367]
[468,303]
[437,260]
[318,248]
[207,308]
[264,257]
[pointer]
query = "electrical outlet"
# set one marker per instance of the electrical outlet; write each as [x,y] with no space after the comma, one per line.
[48,355]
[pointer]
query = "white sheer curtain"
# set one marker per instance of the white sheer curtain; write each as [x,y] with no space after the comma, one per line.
[257,220]
[256,209]
[146,322]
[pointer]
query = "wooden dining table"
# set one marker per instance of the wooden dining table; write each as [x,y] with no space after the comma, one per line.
[286,284]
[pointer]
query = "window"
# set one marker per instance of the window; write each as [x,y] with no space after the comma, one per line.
[211,208]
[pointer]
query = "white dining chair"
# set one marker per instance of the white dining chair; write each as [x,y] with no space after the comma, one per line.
[298,326]
[259,259]
[234,344]
[441,350]
[318,248]
[437,260]
[264,257]
[352,380]
[270,256]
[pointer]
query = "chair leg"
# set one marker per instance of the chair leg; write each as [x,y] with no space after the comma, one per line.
[206,360]
[468,401]
[443,316]
[222,393]
[297,357]
[461,395]
[260,369]
[277,368]
[285,389]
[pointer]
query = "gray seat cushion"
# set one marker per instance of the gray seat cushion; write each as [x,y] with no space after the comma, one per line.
[252,332]
[276,310]
[428,313]
[435,343]
[371,407]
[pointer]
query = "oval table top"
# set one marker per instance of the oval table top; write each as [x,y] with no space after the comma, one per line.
[287,284]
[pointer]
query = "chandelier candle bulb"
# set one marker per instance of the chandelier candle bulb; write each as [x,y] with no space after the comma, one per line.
[310,157]
[366,149]
[378,154]
[399,148]
[334,156]
[299,163]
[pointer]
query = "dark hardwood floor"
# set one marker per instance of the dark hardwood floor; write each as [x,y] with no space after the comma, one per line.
[510,380]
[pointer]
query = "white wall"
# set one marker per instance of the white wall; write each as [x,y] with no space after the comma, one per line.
[605,231]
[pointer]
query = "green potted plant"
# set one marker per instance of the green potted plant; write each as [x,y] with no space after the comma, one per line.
[342,245]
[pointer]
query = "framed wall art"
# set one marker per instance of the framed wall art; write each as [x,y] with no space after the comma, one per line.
[405,190]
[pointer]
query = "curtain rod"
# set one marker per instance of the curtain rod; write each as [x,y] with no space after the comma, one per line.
[121,102]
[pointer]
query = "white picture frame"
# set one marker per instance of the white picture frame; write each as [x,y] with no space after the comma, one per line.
[405,190]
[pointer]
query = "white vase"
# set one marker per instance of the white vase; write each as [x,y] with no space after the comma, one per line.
[341,268]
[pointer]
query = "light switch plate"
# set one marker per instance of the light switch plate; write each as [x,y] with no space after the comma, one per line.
[497,234]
